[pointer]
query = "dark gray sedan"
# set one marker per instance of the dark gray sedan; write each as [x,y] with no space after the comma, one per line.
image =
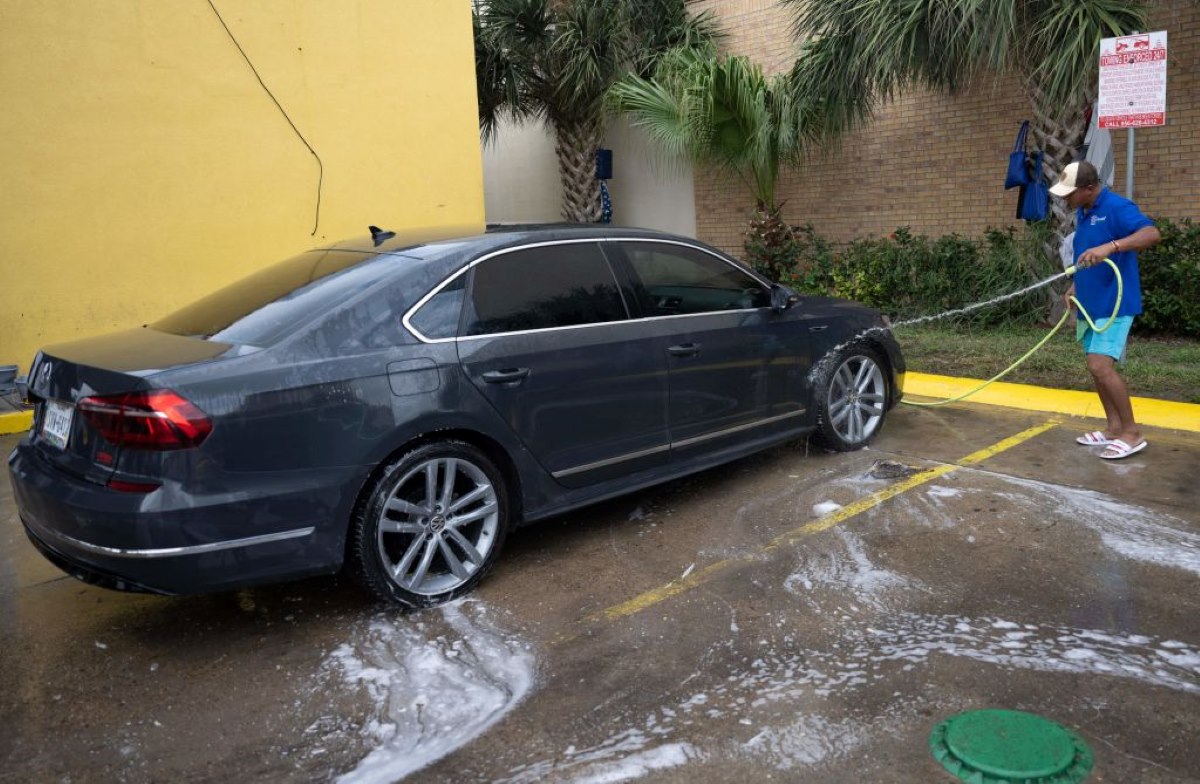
[396,405]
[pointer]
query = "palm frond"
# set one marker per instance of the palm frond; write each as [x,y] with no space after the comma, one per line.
[661,26]
[591,44]
[662,113]
[860,52]
[719,111]
[1064,42]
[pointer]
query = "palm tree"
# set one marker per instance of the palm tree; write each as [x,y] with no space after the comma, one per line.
[726,113]
[555,60]
[858,53]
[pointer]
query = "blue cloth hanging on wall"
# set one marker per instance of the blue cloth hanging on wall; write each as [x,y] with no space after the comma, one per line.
[1018,171]
[1034,201]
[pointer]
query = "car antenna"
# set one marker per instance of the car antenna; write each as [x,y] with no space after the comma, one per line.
[379,236]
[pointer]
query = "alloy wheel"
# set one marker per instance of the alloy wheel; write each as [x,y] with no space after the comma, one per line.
[438,526]
[857,394]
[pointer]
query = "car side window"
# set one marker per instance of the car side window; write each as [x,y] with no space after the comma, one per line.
[677,279]
[544,287]
[438,318]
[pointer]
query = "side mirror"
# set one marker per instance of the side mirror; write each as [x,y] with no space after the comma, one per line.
[782,298]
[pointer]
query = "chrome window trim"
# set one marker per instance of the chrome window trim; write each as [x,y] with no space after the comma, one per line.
[168,552]
[406,320]
[677,444]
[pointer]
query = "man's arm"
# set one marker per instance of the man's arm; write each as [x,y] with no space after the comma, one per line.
[1145,237]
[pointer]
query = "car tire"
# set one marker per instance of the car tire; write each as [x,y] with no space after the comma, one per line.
[851,396]
[432,525]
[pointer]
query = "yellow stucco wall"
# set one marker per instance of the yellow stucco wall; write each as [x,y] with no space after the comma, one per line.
[142,165]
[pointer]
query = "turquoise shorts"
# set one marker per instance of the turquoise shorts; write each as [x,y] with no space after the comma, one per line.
[1110,342]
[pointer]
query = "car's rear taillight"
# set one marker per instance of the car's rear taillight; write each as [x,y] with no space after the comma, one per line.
[159,420]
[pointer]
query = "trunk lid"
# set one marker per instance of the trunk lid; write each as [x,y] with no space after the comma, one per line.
[121,362]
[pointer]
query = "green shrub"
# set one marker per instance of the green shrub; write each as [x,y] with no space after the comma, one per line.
[1170,274]
[910,275]
[812,257]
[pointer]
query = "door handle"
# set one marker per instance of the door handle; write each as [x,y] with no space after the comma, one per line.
[507,376]
[684,350]
[819,328]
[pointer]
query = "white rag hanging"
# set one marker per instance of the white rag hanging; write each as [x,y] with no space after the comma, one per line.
[1097,146]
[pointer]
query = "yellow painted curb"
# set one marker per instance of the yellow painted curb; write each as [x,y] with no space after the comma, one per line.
[17,422]
[1149,411]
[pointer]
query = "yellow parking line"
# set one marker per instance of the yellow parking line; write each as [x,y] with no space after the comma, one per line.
[676,587]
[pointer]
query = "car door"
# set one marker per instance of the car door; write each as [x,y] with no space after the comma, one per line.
[546,337]
[735,366]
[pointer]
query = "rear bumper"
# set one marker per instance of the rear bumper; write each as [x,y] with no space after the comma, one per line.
[172,541]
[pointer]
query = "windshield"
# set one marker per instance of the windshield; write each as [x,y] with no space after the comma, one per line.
[272,303]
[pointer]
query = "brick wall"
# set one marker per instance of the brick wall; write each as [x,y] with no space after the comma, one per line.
[936,162]
[758,28]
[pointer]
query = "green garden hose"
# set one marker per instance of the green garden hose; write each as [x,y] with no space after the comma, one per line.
[1066,314]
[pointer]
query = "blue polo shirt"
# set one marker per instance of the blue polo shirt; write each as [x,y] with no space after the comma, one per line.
[1112,217]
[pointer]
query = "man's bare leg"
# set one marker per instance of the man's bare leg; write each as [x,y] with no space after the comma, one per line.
[1114,396]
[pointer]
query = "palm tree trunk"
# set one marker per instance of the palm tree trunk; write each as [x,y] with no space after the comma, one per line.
[1059,132]
[575,145]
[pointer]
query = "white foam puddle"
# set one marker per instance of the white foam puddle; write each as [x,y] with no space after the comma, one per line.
[825,507]
[911,639]
[809,740]
[847,569]
[636,766]
[907,642]
[941,491]
[623,757]
[433,684]
[1129,530]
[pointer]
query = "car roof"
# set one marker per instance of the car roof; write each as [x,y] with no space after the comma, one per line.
[497,236]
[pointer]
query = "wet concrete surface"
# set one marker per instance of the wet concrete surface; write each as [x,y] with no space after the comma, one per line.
[709,629]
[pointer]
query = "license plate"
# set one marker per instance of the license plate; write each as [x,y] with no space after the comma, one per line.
[56,423]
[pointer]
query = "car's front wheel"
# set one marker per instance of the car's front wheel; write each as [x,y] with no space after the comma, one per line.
[432,526]
[851,397]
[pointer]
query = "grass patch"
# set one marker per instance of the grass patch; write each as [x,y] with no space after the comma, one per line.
[1157,368]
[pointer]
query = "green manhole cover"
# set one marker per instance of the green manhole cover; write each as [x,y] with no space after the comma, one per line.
[981,747]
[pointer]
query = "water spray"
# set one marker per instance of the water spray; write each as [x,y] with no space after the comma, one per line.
[996,300]
[1062,320]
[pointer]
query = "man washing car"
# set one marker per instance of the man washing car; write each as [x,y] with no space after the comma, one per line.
[1107,225]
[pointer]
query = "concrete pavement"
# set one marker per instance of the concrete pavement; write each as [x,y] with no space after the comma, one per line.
[790,617]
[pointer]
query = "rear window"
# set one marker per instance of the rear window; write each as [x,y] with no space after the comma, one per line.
[272,303]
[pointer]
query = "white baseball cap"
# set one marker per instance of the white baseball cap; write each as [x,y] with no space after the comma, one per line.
[1072,178]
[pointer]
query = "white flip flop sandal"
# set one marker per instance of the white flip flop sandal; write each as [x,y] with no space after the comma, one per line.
[1094,438]
[1119,450]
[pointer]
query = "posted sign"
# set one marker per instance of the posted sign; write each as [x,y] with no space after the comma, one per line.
[1133,81]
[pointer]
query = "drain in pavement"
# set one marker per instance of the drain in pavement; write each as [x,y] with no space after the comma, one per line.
[888,469]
